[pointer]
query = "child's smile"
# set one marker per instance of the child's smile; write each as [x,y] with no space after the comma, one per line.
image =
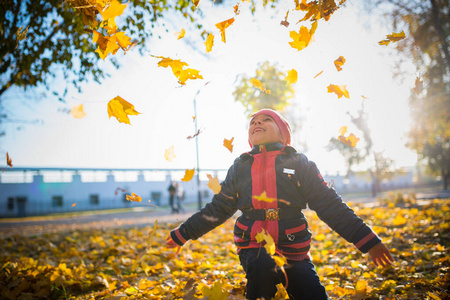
[264,130]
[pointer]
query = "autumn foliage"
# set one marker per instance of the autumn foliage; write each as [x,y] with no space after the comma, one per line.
[133,263]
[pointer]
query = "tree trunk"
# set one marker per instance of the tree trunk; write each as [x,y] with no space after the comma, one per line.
[442,36]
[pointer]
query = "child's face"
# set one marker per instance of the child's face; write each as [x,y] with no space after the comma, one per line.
[264,130]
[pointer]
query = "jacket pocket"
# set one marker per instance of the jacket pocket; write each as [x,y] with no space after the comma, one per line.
[242,229]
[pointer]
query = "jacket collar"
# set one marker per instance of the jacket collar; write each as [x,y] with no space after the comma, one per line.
[269,147]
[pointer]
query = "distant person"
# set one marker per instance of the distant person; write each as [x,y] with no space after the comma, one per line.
[172,193]
[291,182]
[180,197]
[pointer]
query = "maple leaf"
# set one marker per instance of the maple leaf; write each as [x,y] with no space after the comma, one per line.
[114,9]
[280,261]
[302,39]
[209,42]
[236,9]
[316,10]
[216,292]
[74,204]
[123,40]
[339,90]
[270,244]
[188,174]
[351,140]
[180,34]
[106,44]
[343,130]
[339,62]
[177,69]
[134,198]
[228,144]
[418,86]
[285,22]
[291,77]
[8,160]
[119,189]
[196,134]
[394,37]
[224,25]
[318,74]
[188,74]
[196,3]
[256,83]
[263,197]
[214,184]
[169,154]
[21,35]
[121,109]
[77,111]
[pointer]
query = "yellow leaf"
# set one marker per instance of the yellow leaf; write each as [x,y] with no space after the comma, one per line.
[121,109]
[318,74]
[263,197]
[188,174]
[188,74]
[350,140]
[361,287]
[399,220]
[394,37]
[214,184]
[280,261]
[343,130]
[74,204]
[224,25]
[384,42]
[418,86]
[8,160]
[270,244]
[77,111]
[320,237]
[196,2]
[169,154]
[302,39]
[216,292]
[228,144]
[177,69]
[180,34]
[114,9]
[209,42]
[116,268]
[134,198]
[339,90]
[338,63]
[123,40]
[256,83]
[145,267]
[291,77]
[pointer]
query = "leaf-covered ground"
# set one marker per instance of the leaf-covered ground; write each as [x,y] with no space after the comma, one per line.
[131,263]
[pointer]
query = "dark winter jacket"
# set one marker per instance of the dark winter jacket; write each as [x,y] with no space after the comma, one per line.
[291,183]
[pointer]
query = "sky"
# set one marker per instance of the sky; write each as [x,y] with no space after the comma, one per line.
[167,109]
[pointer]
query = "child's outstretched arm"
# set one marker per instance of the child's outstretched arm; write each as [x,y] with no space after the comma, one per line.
[380,255]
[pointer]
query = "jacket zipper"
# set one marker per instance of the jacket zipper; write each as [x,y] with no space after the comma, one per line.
[262,148]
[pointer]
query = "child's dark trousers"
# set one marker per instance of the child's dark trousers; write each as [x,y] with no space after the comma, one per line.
[263,275]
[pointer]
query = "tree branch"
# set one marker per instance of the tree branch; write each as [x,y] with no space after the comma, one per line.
[438,26]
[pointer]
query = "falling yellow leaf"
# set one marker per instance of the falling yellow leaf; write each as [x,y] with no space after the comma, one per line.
[123,40]
[169,154]
[394,37]
[364,97]
[418,86]
[74,204]
[263,197]
[134,198]
[114,9]
[106,44]
[318,74]
[177,69]
[8,160]
[77,111]
[224,25]
[339,90]
[228,144]
[188,174]
[196,3]
[270,244]
[209,42]
[351,140]
[339,62]
[302,39]
[180,34]
[214,184]
[256,83]
[291,77]
[343,130]
[121,109]
[280,261]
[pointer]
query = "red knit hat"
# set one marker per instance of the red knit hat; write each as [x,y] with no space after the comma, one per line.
[281,122]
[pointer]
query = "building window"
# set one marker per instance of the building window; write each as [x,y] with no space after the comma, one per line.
[10,203]
[57,201]
[94,199]
[156,198]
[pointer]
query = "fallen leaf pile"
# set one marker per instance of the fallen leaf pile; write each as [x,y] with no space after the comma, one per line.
[132,263]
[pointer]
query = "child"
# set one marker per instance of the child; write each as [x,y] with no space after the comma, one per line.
[274,167]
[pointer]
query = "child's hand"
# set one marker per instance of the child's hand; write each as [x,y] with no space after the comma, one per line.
[170,243]
[380,255]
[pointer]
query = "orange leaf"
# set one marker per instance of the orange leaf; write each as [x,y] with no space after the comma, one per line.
[133,197]
[114,9]
[302,39]
[119,189]
[318,74]
[196,2]
[228,144]
[8,160]
[177,69]
[394,37]
[77,111]
[214,184]
[188,174]
[418,86]
[339,62]
[74,204]
[339,90]
[256,83]
[123,40]
[169,154]
[236,9]
[291,77]
[180,34]
[285,22]
[121,109]
[224,25]
[209,42]
[351,140]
